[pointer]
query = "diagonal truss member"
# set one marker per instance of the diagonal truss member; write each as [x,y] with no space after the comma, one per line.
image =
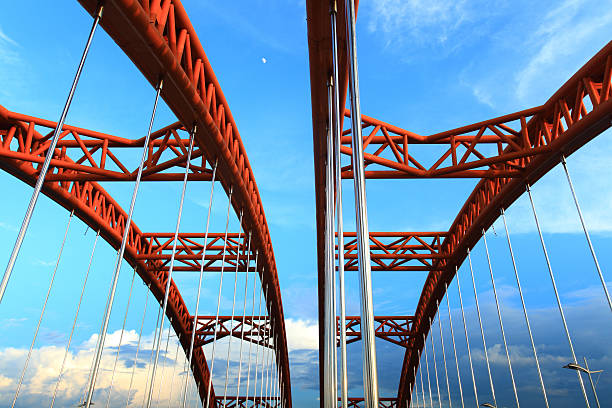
[395,329]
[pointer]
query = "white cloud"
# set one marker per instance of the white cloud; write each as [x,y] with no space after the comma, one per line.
[264,60]
[302,334]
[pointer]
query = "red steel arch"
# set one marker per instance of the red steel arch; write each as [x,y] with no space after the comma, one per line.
[160,40]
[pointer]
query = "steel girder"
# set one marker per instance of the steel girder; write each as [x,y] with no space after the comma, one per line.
[248,402]
[382,403]
[253,329]
[161,42]
[394,329]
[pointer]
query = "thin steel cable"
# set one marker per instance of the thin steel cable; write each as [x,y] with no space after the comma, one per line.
[263,334]
[554,284]
[265,351]
[252,321]
[49,155]
[144,314]
[484,343]
[152,352]
[128,224]
[231,329]
[269,359]
[415,388]
[450,321]
[520,290]
[246,289]
[127,309]
[76,316]
[422,386]
[467,338]
[161,372]
[433,352]
[172,257]
[427,368]
[586,234]
[214,343]
[42,312]
[501,324]
[450,403]
[176,354]
[197,307]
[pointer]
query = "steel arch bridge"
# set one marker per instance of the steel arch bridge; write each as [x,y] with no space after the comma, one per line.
[526,145]
[160,40]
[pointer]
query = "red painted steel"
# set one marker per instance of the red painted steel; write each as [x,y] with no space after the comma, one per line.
[158,37]
[255,329]
[395,329]
[382,403]
[250,402]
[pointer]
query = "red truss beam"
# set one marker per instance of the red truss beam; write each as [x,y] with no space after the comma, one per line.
[248,402]
[253,330]
[160,40]
[395,329]
[397,251]
[579,111]
[86,155]
[488,149]
[382,403]
[97,208]
[189,248]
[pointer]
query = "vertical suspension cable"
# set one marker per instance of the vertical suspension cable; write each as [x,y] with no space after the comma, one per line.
[484,343]
[127,309]
[176,354]
[42,312]
[197,307]
[76,315]
[214,343]
[265,353]
[427,368]
[49,155]
[161,373]
[370,375]
[261,344]
[231,329]
[450,403]
[252,325]
[172,257]
[155,336]
[433,352]
[450,321]
[520,290]
[554,285]
[329,283]
[467,338]
[128,224]
[501,324]
[422,386]
[586,234]
[269,360]
[337,135]
[144,314]
[246,288]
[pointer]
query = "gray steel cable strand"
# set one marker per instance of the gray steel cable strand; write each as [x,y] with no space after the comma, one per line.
[42,313]
[422,385]
[484,342]
[433,352]
[231,329]
[214,343]
[263,334]
[127,308]
[501,324]
[450,403]
[128,224]
[246,289]
[151,353]
[76,316]
[450,321]
[176,354]
[197,307]
[48,157]
[252,321]
[264,357]
[172,258]
[427,368]
[144,314]
[586,234]
[560,306]
[520,290]
[161,372]
[467,338]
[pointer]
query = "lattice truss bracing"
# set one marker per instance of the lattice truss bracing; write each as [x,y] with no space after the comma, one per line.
[253,329]
[394,329]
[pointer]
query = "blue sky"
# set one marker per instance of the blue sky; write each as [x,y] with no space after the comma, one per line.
[426,67]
